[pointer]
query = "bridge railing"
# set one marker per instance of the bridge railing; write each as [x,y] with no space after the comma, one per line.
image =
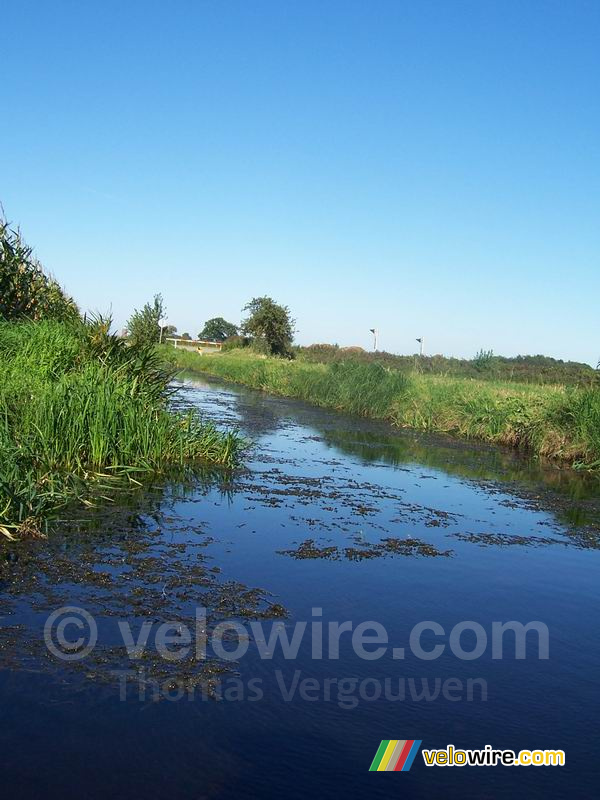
[194,344]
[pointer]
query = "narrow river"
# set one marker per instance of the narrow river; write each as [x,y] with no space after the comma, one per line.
[332,520]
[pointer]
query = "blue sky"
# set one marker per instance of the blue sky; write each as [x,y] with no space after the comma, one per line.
[426,167]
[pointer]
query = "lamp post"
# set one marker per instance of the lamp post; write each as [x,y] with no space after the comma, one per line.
[162,323]
[375,333]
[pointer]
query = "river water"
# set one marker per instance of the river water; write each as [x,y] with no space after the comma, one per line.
[332,520]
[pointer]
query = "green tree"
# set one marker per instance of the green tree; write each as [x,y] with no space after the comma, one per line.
[25,291]
[143,325]
[218,328]
[270,325]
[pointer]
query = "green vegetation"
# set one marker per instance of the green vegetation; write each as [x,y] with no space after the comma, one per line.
[270,326]
[485,365]
[218,328]
[25,291]
[560,422]
[81,412]
[235,343]
[144,326]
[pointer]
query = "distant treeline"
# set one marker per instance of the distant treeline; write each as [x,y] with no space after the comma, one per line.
[484,366]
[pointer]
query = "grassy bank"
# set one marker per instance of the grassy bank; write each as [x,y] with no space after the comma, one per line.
[80,412]
[554,421]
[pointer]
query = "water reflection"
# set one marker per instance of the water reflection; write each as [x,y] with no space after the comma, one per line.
[481,463]
[573,497]
[252,411]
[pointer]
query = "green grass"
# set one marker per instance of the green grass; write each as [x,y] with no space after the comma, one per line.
[80,412]
[554,421]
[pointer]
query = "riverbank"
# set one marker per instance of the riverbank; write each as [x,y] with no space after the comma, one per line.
[82,414]
[553,421]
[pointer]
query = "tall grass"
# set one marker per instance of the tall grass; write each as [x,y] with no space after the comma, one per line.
[363,389]
[79,408]
[559,422]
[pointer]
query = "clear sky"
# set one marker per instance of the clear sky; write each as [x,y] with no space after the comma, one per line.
[428,167]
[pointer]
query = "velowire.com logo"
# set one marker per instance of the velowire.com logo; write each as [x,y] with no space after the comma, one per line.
[395,755]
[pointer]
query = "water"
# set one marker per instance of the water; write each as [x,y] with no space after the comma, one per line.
[334,519]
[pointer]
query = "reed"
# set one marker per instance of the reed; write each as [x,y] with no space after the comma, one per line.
[80,411]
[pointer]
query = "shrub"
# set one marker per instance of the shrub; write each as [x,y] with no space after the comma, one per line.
[234,343]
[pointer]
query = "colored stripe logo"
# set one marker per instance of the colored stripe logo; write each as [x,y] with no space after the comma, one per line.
[395,755]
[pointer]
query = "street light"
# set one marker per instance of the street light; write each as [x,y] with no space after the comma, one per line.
[162,323]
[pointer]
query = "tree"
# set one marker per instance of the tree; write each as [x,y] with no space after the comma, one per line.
[270,325]
[143,326]
[185,335]
[218,328]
